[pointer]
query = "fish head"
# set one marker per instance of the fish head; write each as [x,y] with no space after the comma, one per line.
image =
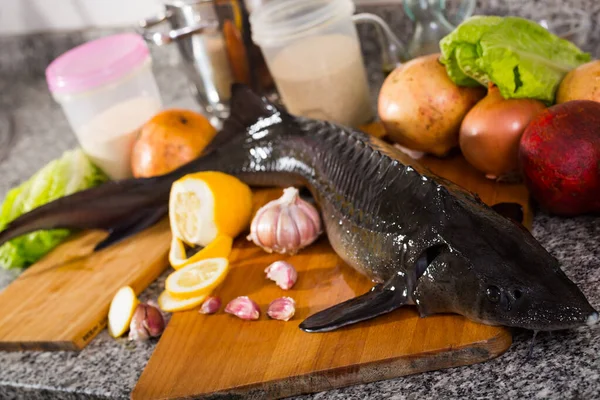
[529,290]
[502,277]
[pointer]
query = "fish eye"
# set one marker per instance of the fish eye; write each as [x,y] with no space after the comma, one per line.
[493,294]
[517,293]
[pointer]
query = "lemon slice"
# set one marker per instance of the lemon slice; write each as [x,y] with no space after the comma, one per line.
[197,278]
[168,303]
[207,204]
[218,248]
[121,311]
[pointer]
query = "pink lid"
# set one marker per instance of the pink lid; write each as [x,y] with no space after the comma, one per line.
[95,63]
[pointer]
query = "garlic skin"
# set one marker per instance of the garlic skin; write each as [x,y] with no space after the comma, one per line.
[282,273]
[243,307]
[285,225]
[210,306]
[147,322]
[282,308]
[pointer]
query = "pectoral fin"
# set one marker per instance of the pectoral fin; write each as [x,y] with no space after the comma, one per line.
[130,227]
[381,299]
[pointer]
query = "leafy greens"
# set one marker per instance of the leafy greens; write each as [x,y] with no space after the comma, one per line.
[519,56]
[70,173]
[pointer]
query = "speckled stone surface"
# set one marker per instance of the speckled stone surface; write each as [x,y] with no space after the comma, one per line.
[564,365]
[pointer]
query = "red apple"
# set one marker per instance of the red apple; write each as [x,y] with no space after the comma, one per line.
[559,155]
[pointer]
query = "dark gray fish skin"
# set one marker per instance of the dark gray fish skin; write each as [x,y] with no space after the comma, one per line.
[422,239]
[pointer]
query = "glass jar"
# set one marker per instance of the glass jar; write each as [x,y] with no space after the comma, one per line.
[313,53]
[107,91]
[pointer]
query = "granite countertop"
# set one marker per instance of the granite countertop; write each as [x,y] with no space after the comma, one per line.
[563,364]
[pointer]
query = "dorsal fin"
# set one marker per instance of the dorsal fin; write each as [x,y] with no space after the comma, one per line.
[246,109]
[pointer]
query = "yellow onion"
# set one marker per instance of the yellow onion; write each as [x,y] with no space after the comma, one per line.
[491,131]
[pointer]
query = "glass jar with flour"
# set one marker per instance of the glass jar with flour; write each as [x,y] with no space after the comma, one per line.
[313,53]
[107,91]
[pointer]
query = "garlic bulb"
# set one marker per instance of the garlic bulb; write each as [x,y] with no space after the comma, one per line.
[285,225]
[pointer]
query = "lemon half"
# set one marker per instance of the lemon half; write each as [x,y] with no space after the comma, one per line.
[207,204]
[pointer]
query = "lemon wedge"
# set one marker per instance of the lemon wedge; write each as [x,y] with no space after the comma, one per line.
[197,278]
[121,311]
[168,303]
[207,204]
[218,248]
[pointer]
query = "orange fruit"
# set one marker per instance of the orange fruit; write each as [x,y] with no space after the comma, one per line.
[169,140]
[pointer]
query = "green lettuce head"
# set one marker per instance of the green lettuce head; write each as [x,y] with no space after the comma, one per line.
[69,174]
[519,56]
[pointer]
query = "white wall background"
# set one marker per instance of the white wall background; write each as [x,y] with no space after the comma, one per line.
[25,16]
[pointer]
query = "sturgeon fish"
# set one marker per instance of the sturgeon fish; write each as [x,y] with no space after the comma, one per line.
[424,241]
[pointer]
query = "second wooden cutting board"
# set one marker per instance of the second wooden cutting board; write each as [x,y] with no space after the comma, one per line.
[200,356]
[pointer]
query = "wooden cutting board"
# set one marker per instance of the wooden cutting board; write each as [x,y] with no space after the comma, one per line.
[62,301]
[199,356]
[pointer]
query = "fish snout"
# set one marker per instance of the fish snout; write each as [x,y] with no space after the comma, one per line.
[592,319]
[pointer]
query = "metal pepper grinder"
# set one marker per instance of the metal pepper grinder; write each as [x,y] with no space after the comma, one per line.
[214,40]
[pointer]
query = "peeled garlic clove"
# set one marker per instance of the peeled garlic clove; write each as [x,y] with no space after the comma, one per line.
[211,305]
[282,308]
[285,225]
[282,273]
[147,322]
[243,307]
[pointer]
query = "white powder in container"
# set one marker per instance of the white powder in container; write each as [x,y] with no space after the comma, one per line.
[323,77]
[108,138]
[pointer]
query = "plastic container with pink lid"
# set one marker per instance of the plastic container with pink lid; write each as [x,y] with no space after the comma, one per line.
[107,91]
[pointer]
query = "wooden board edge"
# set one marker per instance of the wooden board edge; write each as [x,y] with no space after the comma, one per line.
[141,284]
[318,381]
[83,338]
[65,345]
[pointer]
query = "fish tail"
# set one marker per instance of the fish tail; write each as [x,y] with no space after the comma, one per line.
[127,206]
[102,207]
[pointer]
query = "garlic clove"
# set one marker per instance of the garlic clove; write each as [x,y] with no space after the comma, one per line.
[282,309]
[305,225]
[154,321]
[137,330]
[211,305]
[311,212]
[266,228]
[283,273]
[243,307]
[288,237]
[147,322]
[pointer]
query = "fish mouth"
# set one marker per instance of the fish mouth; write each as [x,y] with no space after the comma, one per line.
[592,319]
[588,319]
